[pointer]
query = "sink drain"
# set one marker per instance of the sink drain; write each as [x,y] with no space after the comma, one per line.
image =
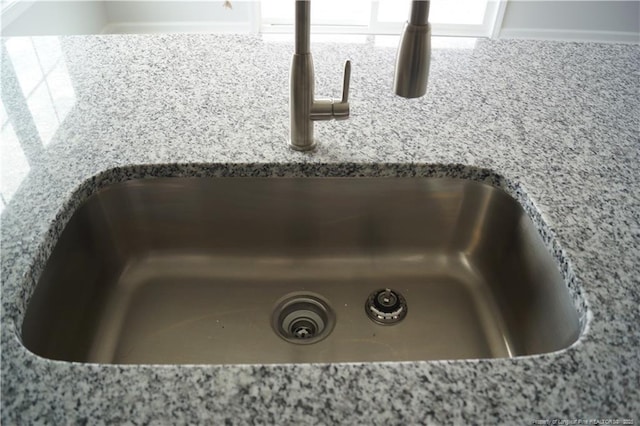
[303,318]
[386,306]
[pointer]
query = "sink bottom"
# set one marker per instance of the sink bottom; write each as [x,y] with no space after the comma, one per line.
[183,309]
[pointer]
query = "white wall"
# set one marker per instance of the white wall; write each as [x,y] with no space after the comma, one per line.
[46,17]
[177,16]
[604,20]
[54,18]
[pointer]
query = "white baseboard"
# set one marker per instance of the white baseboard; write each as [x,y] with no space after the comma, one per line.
[176,27]
[570,35]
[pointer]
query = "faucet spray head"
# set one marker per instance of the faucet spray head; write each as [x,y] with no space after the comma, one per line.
[414,53]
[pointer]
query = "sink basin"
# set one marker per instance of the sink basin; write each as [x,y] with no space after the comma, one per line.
[297,270]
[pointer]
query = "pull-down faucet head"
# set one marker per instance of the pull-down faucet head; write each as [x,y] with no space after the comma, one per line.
[414,53]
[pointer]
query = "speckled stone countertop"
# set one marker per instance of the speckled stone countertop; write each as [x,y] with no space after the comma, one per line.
[558,122]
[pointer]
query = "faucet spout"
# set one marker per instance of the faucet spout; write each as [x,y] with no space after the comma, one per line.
[419,12]
[303,27]
[414,53]
[304,109]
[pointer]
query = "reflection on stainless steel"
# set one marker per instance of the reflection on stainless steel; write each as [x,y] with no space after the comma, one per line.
[190,270]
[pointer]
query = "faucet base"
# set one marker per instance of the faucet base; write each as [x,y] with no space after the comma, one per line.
[302,148]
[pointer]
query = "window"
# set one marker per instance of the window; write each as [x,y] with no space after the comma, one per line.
[12,9]
[447,17]
[5,4]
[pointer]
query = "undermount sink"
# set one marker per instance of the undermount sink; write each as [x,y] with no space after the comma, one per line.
[296,270]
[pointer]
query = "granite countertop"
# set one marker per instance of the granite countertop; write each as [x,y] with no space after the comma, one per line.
[560,119]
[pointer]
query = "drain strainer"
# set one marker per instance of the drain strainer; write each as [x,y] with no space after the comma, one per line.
[303,318]
[386,306]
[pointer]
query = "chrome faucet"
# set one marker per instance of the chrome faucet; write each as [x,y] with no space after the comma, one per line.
[304,108]
[410,80]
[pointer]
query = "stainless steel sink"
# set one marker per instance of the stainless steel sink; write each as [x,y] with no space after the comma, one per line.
[281,270]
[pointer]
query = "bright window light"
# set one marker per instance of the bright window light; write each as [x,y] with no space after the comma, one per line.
[46,85]
[395,11]
[449,17]
[325,12]
[469,12]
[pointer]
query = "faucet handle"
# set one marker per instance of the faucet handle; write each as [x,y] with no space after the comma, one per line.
[345,83]
[341,109]
[327,109]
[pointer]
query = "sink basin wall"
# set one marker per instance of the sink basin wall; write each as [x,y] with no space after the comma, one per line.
[188,270]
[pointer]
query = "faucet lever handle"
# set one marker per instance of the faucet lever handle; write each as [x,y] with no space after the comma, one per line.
[340,110]
[345,83]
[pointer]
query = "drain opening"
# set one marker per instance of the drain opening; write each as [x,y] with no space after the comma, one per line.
[386,306]
[303,318]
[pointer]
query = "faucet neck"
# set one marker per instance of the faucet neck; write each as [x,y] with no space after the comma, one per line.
[303,26]
[419,12]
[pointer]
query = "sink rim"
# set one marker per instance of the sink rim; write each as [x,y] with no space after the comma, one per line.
[514,188]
